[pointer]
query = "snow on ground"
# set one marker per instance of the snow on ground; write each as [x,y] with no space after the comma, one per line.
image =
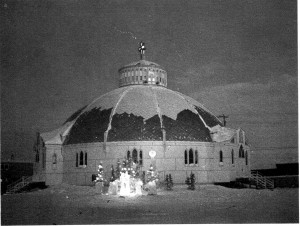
[68,204]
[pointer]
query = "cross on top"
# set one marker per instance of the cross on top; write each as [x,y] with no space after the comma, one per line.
[142,49]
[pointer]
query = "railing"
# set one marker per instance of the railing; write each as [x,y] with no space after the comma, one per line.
[17,185]
[261,181]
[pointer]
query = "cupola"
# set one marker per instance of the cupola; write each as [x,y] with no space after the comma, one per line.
[142,72]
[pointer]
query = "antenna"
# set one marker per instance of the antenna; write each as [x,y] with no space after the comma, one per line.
[224,118]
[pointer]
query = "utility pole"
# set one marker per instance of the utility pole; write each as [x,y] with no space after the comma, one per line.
[224,118]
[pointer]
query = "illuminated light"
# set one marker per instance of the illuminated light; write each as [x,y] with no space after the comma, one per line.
[152,153]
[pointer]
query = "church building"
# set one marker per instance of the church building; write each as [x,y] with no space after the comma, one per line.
[149,123]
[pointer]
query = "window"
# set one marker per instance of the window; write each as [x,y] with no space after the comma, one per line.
[232,156]
[76,159]
[54,161]
[232,140]
[81,159]
[221,156]
[54,158]
[128,154]
[241,152]
[137,157]
[141,157]
[191,157]
[246,158]
[134,156]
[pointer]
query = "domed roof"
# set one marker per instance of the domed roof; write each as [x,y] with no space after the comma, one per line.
[141,113]
[142,109]
[143,63]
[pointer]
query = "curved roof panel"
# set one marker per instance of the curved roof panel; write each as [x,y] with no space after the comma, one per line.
[141,112]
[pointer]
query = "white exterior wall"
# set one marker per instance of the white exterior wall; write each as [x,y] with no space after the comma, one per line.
[171,161]
[54,172]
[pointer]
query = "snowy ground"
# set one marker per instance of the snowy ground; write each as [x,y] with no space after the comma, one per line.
[67,204]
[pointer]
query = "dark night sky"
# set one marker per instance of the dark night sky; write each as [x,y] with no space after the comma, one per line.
[236,57]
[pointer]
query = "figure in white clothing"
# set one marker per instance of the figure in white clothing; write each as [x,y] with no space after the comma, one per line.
[138,187]
[125,184]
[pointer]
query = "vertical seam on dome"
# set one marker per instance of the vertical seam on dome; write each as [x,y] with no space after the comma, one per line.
[157,107]
[113,112]
[195,111]
[205,109]
[73,122]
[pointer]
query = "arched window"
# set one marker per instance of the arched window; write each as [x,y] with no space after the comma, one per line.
[191,156]
[196,157]
[128,154]
[246,158]
[185,157]
[81,159]
[76,160]
[141,157]
[85,158]
[241,152]
[232,156]
[134,156]
[54,158]
[221,156]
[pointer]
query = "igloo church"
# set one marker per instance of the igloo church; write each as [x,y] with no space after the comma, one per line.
[149,123]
